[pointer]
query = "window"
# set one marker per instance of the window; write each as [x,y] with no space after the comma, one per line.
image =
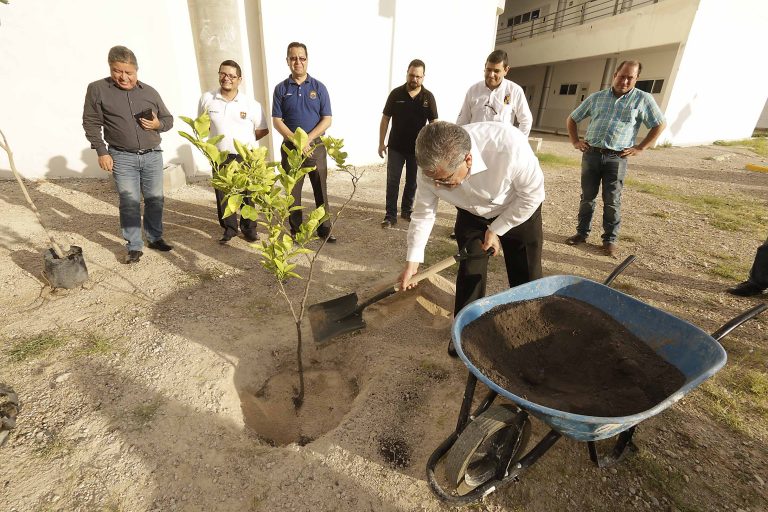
[571,89]
[517,20]
[535,14]
[568,89]
[650,86]
[526,17]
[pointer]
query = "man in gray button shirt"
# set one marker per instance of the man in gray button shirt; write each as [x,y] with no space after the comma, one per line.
[123,118]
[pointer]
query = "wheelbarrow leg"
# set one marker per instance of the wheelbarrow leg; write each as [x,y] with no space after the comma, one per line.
[623,443]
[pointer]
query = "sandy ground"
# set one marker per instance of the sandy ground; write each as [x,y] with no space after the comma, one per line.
[162,368]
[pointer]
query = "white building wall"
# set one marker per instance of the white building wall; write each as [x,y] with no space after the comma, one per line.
[763,121]
[363,53]
[50,51]
[719,78]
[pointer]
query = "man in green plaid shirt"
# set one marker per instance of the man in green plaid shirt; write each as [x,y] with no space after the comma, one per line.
[615,117]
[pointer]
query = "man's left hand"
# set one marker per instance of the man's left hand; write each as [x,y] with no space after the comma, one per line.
[152,124]
[631,151]
[492,242]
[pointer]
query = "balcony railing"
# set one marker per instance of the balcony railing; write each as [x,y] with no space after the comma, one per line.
[568,17]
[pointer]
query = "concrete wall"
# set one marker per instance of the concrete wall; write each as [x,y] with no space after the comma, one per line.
[763,121]
[50,51]
[655,25]
[362,53]
[719,78]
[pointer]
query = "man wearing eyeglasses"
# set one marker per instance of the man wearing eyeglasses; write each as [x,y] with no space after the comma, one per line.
[303,101]
[490,173]
[615,116]
[410,107]
[496,98]
[123,119]
[237,117]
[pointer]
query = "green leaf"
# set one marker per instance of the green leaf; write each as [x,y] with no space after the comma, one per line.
[202,125]
[249,212]
[215,140]
[300,139]
[189,137]
[233,203]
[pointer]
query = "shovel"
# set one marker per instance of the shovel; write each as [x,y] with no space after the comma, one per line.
[342,315]
[62,269]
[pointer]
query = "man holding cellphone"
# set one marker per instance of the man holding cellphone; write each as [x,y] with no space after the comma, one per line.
[123,119]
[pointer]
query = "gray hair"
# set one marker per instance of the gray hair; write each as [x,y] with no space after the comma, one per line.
[441,143]
[121,54]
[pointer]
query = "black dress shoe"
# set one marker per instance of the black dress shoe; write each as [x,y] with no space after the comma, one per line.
[224,239]
[406,216]
[250,237]
[133,257]
[388,222]
[452,349]
[159,245]
[746,289]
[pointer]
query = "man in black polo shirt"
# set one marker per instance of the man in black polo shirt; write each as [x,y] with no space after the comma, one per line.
[410,107]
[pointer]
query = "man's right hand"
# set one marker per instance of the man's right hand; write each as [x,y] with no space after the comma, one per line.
[382,150]
[105,162]
[581,145]
[411,267]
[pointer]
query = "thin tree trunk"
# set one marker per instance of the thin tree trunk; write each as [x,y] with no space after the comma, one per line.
[298,400]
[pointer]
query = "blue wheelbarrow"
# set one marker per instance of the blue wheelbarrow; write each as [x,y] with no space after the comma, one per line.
[485,452]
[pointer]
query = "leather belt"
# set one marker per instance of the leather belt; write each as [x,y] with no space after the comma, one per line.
[135,151]
[604,151]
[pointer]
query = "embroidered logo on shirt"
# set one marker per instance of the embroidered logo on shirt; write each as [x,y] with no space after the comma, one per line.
[312,95]
[242,115]
[425,104]
[507,99]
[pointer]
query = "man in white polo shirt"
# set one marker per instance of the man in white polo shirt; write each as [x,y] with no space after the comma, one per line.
[237,117]
[496,98]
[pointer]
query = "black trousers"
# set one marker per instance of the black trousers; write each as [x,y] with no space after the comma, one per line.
[318,179]
[247,226]
[522,247]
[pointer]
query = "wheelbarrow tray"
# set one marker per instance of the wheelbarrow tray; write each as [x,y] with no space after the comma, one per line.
[692,351]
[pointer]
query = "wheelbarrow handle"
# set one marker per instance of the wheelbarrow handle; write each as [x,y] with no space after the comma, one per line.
[737,321]
[618,270]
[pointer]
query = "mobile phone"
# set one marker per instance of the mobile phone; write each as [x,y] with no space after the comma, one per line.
[144,114]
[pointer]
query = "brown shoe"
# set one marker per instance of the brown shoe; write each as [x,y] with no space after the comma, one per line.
[610,248]
[576,239]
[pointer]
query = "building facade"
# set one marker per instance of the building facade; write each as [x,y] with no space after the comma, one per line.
[701,59]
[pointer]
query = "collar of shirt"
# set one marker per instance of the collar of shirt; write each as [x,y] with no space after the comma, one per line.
[112,83]
[219,96]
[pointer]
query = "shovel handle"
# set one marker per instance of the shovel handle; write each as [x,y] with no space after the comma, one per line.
[431,271]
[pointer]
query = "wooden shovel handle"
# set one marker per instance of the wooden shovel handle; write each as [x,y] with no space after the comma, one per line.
[431,271]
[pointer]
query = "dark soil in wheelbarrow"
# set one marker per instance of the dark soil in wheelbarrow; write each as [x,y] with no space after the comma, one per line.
[568,355]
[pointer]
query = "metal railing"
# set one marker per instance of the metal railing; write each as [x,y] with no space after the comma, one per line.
[568,17]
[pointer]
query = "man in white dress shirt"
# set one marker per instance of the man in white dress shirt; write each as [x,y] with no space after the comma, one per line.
[496,98]
[490,173]
[237,117]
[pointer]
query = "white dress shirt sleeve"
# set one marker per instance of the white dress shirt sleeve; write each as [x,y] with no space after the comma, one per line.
[522,111]
[422,218]
[465,114]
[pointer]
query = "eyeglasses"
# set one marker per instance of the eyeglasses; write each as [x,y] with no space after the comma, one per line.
[446,180]
[227,75]
[492,109]
[297,59]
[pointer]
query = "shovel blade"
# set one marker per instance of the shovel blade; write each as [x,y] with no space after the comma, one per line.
[335,317]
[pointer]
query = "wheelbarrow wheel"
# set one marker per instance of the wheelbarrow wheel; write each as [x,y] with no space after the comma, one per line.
[474,457]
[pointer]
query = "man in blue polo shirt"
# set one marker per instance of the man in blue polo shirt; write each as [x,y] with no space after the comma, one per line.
[303,101]
[616,114]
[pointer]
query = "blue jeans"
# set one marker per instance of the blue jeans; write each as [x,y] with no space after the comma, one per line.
[395,161]
[610,170]
[136,176]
